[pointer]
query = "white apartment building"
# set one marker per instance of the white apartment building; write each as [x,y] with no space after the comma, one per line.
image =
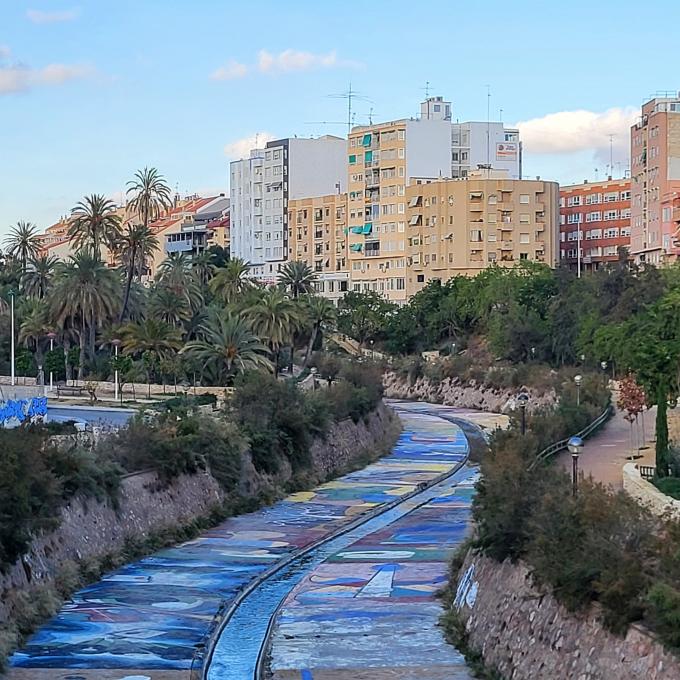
[261,187]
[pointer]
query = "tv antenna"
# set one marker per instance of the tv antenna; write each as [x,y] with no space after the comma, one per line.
[426,89]
[611,154]
[350,95]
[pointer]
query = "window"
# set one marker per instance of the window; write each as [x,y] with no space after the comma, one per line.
[524,256]
[593,216]
[524,238]
[491,257]
[492,199]
[573,200]
[352,158]
[475,235]
[524,198]
[611,197]
[524,218]
[611,214]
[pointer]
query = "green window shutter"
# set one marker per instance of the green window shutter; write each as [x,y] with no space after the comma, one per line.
[367,140]
[368,156]
[352,159]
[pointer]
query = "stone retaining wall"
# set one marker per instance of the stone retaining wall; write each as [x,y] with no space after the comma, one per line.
[453,392]
[646,493]
[525,634]
[89,529]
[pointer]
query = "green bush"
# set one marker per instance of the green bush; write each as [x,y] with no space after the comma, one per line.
[668,485]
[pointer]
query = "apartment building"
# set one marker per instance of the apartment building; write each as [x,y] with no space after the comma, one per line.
[461,226]
[476,144]
[384,158]
[655,174]
[261,187]
[595,217]
[319,237]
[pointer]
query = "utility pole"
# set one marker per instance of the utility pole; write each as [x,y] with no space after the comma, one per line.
[12,343]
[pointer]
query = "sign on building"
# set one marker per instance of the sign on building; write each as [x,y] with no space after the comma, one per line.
[507,151]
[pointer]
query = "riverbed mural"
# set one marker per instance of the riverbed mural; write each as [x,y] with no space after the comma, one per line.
[152,617]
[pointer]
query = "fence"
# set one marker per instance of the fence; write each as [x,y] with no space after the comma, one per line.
[551,450]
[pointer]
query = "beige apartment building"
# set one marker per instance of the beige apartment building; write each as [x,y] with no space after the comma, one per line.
[461,226]
[655,174]
[318,235]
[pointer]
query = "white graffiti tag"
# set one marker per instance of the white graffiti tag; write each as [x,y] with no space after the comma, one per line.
[466,593]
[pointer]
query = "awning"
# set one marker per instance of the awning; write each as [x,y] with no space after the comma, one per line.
[415,200]
[367,140]
[367,228]
[357,230]
[368,156]
[356,247]
[414,220]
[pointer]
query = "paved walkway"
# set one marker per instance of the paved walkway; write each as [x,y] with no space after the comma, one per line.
[605,454]
[145,621]
[370,611]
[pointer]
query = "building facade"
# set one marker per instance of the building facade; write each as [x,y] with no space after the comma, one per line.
[319,237]
[461,226]
[261,187]
[476,144]
[595,217]
[655,173]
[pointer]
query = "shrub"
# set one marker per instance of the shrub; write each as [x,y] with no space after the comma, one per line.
[668,485]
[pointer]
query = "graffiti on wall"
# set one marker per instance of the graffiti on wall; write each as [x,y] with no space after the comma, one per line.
[15,411]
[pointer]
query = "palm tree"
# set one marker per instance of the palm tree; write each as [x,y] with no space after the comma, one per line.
[33,329]
[203,267]
[275,318]
[86,293]
[154,340]
[169,306]
[137,244]
[297,277]
[23,242]
[150,195]
[228,347]
[95,223]
[231,281]
[175,272]
[320,312]
[38,276]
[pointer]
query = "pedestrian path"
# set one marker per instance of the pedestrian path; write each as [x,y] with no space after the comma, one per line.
[370,611]
[148,620]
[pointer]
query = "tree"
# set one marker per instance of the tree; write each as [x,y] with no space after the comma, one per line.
[274,318]
[320,312]
[228,347]
[166,304]
[203,267]
[137,244]
[232,281]
[23,243]
[95,223]
[363,316]
[175,273]
[154,340]
[297,277]
[38,276]
[151,195]
[85,295]
[33,330]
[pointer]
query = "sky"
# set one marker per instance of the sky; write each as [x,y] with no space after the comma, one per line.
[93,90]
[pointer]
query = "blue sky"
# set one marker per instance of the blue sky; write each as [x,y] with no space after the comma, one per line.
[92,90]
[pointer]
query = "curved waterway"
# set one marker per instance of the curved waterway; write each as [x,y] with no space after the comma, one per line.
[150,620]
[242,639]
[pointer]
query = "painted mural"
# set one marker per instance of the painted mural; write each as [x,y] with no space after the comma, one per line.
[150,619]
[370,610]
[15,411]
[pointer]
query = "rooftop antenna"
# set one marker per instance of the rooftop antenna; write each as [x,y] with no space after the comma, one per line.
[611,153]
[500,114]
[350,96]
[257,138]
[488,124]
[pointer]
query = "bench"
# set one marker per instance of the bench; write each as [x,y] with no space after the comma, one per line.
[70,390]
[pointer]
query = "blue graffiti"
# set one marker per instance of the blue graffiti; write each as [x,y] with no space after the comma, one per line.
[21,409]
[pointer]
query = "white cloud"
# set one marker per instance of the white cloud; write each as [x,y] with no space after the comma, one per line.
[294,60]
[230,71]
[19,78]
[240,148]
[38,16]
[287,61]
[571,131]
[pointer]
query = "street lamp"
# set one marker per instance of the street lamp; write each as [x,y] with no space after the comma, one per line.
[51,335]
[523,400]
[577,380]
[575,446]
[11,292]
[313,372]
[583,358]
[603,365]
[533,352]
[116,344]
[453,349]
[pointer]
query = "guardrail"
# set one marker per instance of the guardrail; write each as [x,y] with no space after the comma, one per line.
[551,450]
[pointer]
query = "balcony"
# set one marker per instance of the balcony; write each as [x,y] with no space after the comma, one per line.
[506,245]
[372,181]
[183,246]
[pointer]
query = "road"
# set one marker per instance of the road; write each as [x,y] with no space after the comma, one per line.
[151,619]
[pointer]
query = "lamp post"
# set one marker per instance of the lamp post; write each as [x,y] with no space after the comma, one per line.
[577,380]
[533,353]
[523,399]
[13,381]
[583,358]
[603,365]
[116,344]
[453,349]
[575,446]
[313,372]
[51,335]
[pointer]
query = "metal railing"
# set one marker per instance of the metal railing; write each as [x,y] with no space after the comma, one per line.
[551,450]
[647,471]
